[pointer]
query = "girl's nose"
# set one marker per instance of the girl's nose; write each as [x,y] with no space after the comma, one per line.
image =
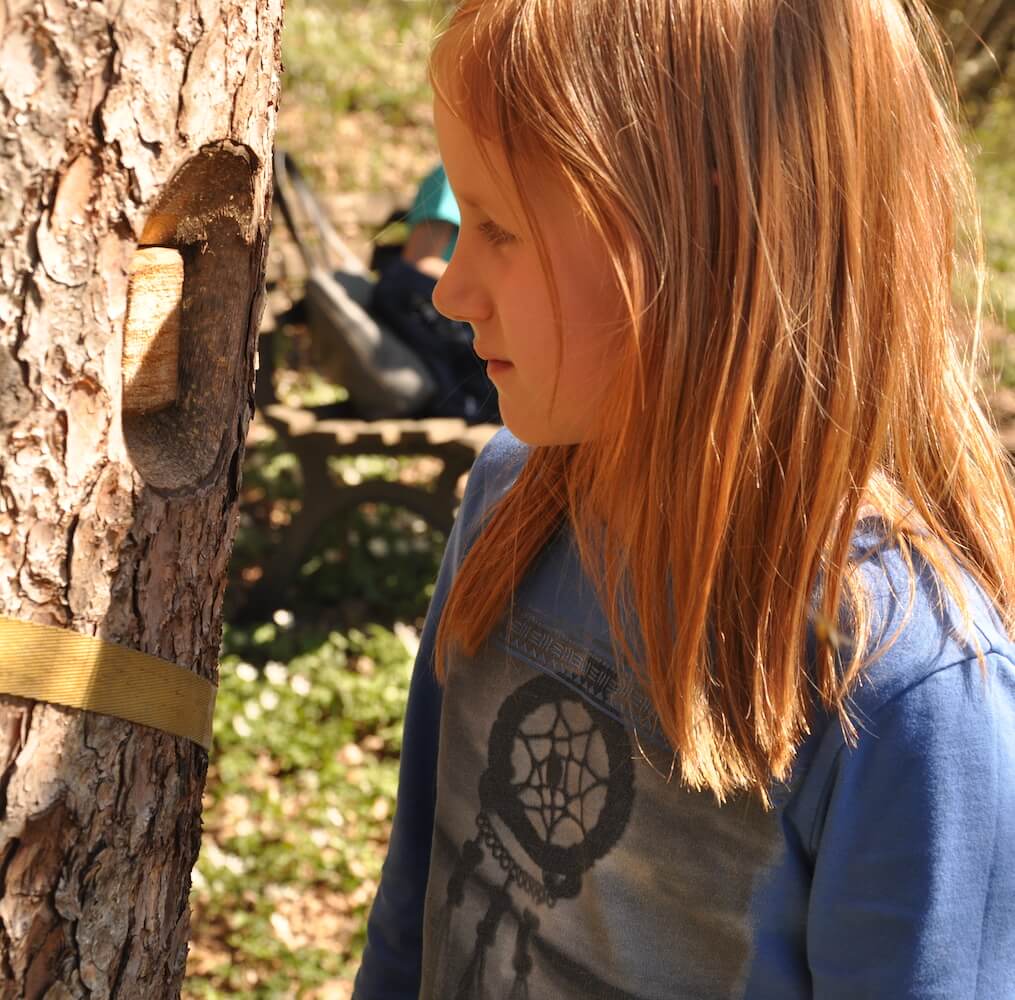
[459,296]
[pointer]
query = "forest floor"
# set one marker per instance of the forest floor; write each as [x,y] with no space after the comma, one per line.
[308,718]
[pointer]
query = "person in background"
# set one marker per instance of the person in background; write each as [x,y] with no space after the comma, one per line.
[402,300]
[434,220]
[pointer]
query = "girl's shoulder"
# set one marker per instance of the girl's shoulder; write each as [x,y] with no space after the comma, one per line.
[918,627]
[924,643]
[495,469]
[933,747]
[502,457]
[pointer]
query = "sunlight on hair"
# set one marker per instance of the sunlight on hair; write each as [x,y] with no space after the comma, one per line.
[786,200]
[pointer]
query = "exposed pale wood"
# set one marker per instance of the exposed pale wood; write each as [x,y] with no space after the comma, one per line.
[151,331]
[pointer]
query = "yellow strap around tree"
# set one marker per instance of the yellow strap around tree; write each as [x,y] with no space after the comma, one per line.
[79,671]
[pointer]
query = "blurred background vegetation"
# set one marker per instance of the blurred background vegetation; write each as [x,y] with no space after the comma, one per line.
[308,719]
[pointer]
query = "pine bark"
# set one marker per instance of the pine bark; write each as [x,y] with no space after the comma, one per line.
[122,124]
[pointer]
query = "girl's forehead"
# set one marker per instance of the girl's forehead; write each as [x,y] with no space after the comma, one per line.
[478,168]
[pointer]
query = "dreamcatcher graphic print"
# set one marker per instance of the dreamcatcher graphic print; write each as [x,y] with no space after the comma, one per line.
[560,780]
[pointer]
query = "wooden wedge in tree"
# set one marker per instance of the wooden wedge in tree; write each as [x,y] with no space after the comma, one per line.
[135,159]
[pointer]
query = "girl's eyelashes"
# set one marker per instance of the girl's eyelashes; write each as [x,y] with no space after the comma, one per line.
[494,234]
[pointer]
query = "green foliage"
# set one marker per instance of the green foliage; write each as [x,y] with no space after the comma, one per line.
[355,95]
[307,736]
[386,559]
[996,183]
[297,810]
[350,56]
[377,564]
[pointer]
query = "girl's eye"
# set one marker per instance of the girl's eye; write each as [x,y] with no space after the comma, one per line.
[494,234]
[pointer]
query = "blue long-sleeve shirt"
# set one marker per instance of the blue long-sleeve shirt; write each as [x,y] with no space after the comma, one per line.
[539,848]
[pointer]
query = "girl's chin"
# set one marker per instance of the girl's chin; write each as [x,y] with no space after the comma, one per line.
[524,422]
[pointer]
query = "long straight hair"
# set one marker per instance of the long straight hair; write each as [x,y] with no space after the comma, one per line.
[785,197]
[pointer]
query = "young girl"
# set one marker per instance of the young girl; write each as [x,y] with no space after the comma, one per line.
[716,697]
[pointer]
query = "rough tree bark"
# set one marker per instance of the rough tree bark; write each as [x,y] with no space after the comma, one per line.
[122,123]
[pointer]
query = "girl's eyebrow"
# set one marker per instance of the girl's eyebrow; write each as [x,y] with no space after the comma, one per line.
[497,209]
[471,201]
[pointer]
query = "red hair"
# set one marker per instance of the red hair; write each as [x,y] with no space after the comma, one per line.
[781,184]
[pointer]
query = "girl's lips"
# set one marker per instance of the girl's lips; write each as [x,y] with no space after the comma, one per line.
[494,365]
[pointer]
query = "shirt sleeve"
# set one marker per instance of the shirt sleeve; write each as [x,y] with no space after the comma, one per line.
[913,890]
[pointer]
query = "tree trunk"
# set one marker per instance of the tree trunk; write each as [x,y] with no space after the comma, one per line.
[137,123]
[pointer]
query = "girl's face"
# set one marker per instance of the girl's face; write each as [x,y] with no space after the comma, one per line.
[549,389]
